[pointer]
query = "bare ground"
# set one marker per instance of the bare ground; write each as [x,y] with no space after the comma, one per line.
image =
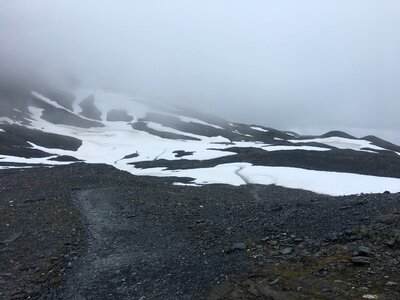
[93,232]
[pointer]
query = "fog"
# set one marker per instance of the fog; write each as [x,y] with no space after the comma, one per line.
[308,66]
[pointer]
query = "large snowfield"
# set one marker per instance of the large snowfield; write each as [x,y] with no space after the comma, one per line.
[116,140]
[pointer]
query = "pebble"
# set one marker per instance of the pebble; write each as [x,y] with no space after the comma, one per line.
[286,250]
[238,246]
[360,260]
[364,251]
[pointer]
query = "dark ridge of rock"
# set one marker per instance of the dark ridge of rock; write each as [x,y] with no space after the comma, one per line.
[58,116]
[208,118]
[16,135]
[338,134]
[65,158]
[181,153]
[14,145]
[176,123]
[194,128]
[15,164]
[23,152]
[334,160]
[89,109]
[63,98]
[258,135]
[382,143]
[61,116]
[142,126]
[14,103]
[118,115]
[133,155]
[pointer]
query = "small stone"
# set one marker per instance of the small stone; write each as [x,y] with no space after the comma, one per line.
[360,260]
[391,283]
[386,192]
[238,246]
[345,207]
[387,218]
[286,250]
[298,240]
[273,282]
[364,251]
[390,242]
[348,232]
[222,289]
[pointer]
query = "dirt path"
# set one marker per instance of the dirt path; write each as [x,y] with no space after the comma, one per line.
[133,255]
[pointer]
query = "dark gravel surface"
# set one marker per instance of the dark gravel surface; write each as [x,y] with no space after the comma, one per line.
[93,232]
[386,163]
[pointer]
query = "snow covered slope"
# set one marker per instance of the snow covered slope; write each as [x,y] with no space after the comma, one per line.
[144,138]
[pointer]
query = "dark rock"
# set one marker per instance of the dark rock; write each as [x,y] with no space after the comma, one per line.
[273,282]
[286,250]
[276,208]
[360,260]
[238,246]
[390,242]
[133,155]
[364,251]
[65,158]
[89,109]
[298,240]
[345,207]
[181,153]
[388,218]
[12,239]
[118,115]
[222,289]
[386,192]
[360,202]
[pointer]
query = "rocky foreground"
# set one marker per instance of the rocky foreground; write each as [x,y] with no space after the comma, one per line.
[91,231]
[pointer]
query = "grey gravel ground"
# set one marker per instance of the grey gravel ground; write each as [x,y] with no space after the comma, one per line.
[93,232]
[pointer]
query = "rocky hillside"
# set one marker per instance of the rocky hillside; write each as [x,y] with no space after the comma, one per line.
[51,127]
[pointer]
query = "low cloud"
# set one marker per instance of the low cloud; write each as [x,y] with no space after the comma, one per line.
[305,65]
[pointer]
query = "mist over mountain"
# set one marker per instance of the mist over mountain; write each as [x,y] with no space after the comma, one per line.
[309,67]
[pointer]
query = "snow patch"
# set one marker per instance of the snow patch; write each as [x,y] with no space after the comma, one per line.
[323,182]
[259,128]
[342,143]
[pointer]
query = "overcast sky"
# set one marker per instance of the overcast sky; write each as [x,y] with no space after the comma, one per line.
[305,65]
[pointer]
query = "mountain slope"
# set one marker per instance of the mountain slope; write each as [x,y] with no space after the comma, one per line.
[51,127]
